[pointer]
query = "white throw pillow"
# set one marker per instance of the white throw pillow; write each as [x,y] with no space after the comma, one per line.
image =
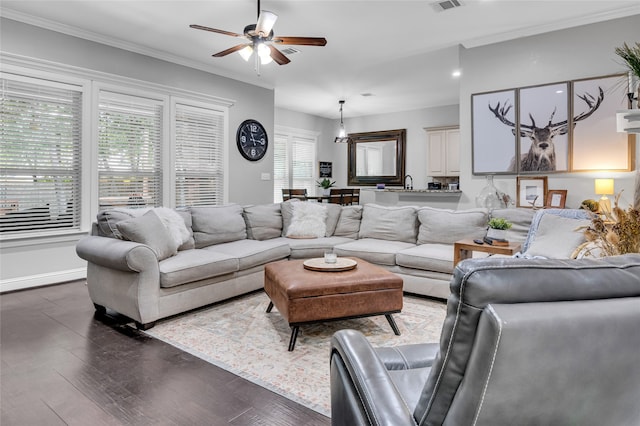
[174,224]
[308,220]
[557,237]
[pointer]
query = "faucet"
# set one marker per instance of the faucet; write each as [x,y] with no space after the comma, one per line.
[410,186]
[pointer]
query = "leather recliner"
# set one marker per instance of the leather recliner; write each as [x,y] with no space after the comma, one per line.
[524,342]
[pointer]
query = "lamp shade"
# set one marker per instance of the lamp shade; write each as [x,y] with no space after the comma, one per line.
[604,186]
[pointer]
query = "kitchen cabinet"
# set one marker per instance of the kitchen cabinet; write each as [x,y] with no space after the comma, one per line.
[443,151]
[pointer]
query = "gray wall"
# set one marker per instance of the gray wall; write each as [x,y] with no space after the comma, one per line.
[581,52]
[39,261]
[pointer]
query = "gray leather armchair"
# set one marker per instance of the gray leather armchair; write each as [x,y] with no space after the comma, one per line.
[524,342]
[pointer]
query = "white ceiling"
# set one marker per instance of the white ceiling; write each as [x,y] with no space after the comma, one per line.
[401,52]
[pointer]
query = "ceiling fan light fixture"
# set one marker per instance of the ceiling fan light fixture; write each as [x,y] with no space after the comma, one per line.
[265,54]
[246,53]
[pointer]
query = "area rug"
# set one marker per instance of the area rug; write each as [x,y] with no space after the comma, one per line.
[242,338]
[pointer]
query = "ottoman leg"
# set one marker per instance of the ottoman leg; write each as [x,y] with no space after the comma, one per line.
[392,323]
[294,335]
[270,307]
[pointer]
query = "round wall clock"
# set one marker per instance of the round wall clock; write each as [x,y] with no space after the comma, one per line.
[252,140]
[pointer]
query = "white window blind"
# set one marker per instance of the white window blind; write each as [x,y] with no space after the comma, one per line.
[199,160]
[294,163]
[40,140]
[129,147]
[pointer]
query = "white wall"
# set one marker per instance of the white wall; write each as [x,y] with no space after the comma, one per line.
[40,261]
[581,52]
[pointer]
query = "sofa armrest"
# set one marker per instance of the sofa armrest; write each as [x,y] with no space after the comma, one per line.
[117,254]
[406,357]
[361,389]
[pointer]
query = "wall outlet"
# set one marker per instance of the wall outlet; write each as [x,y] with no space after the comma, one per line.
[265,176]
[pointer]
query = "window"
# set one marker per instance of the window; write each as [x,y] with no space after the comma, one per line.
[199,161]
[40,128]
[129,147]
[294,161]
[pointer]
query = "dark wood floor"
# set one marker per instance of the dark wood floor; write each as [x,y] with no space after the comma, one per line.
[59,365]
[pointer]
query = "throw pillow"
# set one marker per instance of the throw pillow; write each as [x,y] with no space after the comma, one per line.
[174,224]
[349,222]
[286,209]
[263,221]
[108,220]
[444,226]
[333,215]
[218,224]
[148,229]
[308,220]
[186,217]
[520,219]
[389,223]
[557,237]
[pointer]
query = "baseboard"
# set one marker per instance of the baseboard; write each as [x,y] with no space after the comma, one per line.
[30,281]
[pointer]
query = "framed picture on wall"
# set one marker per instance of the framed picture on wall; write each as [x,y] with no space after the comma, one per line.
[544,130]
[493,117]
[556,198]
[596,145]
[531,191]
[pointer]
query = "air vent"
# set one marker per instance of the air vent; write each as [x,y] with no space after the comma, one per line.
[289,51]
[441,6]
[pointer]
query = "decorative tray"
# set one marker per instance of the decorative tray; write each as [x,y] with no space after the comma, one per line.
[318,264]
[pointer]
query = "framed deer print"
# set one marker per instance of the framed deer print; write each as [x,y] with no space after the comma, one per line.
[596,145]
[493,136]
[531,191]
[543,144]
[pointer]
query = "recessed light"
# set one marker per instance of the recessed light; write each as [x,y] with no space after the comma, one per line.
[366,94]
[456,73]
[559,91]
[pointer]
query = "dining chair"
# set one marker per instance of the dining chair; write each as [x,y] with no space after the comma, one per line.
[289,193]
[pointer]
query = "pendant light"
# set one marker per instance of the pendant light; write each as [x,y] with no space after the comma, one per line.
[342,134]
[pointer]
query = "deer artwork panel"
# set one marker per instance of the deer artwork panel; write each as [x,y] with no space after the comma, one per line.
[544,126]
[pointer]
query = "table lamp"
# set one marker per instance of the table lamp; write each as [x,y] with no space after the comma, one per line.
[604,187]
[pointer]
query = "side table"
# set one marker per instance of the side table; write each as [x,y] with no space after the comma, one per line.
[462,249]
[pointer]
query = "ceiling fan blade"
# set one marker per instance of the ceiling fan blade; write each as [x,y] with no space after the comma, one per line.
[266,21]
[278,56]
[303,41]
[231,50]
[214,30]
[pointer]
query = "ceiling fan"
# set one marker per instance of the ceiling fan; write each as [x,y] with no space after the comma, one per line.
[262,40]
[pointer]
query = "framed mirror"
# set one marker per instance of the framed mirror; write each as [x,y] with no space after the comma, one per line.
[377,157]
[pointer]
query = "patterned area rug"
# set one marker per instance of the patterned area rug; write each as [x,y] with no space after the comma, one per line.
[241,337]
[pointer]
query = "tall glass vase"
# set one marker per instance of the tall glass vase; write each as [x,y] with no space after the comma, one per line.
[489,196]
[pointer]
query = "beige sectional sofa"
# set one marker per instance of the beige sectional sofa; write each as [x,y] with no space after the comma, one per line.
[149,264]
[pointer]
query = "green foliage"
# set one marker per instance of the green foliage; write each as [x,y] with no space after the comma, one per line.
[499,223]
[325,183]
[631,55]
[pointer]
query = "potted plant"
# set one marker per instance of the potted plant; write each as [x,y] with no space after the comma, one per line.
[631,57]
[326,185]
[498,228]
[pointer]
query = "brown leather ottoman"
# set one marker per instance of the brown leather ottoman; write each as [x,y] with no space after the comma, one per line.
[303,296]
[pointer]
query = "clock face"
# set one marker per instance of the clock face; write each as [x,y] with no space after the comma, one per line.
[252,140]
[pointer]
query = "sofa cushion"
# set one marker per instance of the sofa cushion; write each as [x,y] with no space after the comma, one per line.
[378,251]
[263,221]
[520,219]
[286,209]
[444,226]
[333,216]
[194,265]
[308,220]
[431,257]
[218,224]
[252,253]
[557,237]
[315,247]
[148,229]
[389,223]
[349,222]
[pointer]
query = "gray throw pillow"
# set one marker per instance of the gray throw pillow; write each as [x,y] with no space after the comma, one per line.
[333,215]
[286,209]
[149,230]
[263,221]
[191,242]
[557,237]
[108,220]
[348,224]
[218,224]
[389,223]
[444,226]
